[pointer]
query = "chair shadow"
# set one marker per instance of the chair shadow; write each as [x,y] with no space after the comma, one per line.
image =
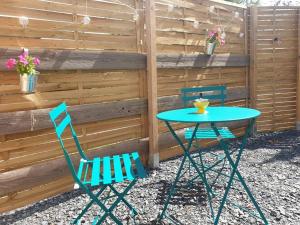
[194,194]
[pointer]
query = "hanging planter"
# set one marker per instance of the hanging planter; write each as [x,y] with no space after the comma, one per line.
[28,82]
[210,48]
[215,38]
[25,66]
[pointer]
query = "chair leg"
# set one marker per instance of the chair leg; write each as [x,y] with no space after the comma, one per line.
[106,210]
[88,206]
[124,200]
[120,198]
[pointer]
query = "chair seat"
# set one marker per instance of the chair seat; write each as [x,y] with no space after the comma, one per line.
[108,170]
[208,133]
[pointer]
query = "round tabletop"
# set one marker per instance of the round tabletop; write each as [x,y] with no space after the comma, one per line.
[213,114]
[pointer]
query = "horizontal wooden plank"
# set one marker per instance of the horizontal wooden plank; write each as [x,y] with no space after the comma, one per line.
[76,59]
[173,102]
[200,61]
[31,176]
[33,120]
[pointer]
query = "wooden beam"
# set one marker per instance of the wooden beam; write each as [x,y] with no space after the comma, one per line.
[253,72]
[201,61]
[298,77]
[79,59]
[33,120]
[246,50]
[152,83]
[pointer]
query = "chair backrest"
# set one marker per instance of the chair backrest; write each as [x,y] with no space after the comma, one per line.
[214,93]
[61,114]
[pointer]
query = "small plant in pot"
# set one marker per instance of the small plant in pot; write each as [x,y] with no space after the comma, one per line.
[214,39]
[26,67]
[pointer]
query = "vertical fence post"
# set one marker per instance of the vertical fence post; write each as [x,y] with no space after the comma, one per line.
[298,77]
[153,159]
[253,72]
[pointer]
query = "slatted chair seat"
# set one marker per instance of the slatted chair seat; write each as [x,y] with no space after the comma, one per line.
[108,170]
[213,94]
[208,133]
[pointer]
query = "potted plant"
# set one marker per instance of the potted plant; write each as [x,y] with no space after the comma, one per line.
[26,67]
[214,39]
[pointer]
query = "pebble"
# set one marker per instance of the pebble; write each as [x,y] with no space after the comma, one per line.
[270,165]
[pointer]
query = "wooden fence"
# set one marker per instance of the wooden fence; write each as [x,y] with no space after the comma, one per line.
[115,74]
[274,53]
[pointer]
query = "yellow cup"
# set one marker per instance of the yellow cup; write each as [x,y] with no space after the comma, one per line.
[201,106]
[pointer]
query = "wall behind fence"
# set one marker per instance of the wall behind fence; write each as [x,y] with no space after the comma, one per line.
[109,106]
[274,53]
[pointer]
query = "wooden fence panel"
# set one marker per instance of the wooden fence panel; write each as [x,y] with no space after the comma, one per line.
[117,30]
[56,25]
[275,57]
[81,65]
[182,29]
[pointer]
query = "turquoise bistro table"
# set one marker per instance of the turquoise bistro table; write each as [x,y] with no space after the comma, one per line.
[213,116]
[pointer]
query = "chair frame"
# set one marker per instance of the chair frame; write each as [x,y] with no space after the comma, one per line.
[60,127]
[213,94]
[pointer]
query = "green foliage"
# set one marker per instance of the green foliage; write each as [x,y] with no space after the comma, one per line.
[26,69]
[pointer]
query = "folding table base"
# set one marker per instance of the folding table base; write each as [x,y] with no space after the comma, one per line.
[202,173]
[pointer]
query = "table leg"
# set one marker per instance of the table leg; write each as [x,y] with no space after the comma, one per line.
[186,155]
[235,171]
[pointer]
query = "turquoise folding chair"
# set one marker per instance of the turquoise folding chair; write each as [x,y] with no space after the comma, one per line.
[104,172]
[215,94]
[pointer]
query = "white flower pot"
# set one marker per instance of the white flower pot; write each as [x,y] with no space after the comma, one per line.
[210,48]
[28,82]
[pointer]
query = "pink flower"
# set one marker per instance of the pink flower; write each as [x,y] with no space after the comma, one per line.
[36,61]
[11,63]
[23,59]
[211,33]
[25,52]
[222,42]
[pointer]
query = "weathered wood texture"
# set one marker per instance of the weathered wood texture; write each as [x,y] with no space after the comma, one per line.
[35,120]
[88,60]
[201,61]
[79,59]
[275,59]
[99,70]
[183,28]
[31,176]
[58,25]
[152,83]
[298,78]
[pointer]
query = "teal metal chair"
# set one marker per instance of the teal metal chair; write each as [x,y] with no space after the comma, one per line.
[217,95]
[102,172]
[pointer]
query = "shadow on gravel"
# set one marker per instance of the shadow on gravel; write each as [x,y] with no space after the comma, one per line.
[39,207]
[185,195]
[287,142]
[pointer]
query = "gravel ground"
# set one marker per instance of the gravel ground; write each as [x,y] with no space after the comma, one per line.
[270,166]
